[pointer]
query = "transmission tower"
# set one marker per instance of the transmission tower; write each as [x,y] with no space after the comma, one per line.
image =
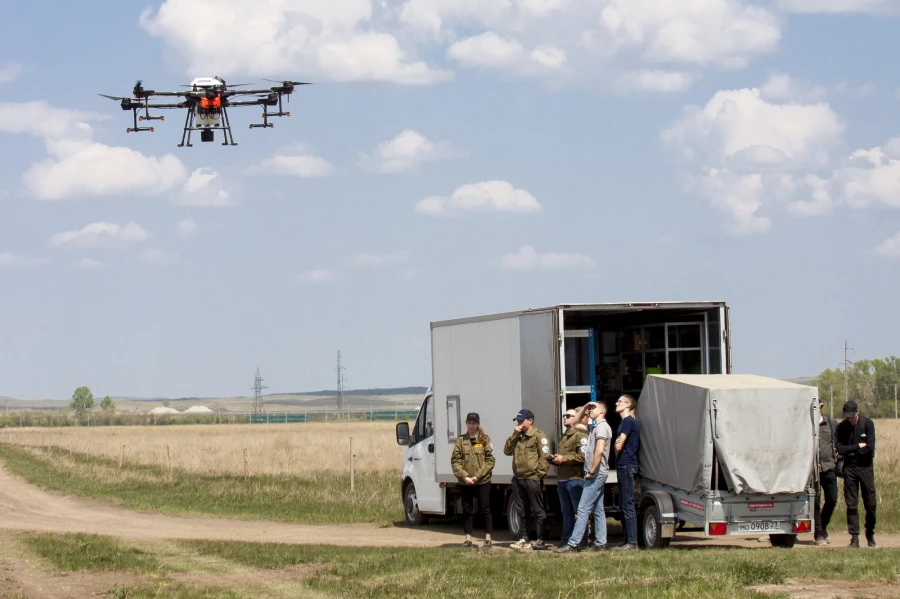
[257,394]
[340,383]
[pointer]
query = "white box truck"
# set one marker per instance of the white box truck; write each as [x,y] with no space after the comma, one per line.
[552,359]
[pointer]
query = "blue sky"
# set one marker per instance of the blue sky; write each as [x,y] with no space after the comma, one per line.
[453,158]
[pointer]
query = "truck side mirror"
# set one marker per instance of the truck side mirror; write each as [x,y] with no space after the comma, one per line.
[403,433]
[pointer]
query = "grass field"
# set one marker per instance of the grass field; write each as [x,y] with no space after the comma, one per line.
[242,570]
[272,450]
[293,472]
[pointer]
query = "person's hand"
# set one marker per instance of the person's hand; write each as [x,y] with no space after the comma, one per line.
[861,445]
[557,459]
[518,428]
[469,480]
[589,476]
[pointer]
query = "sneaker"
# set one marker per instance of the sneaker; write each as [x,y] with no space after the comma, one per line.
[854,542]
[625,547]
[598,547]
[540,546]
[870,538]
[487,544]
[467,544]
[561,544]
[825,536]
[566,549]
[521,544]
[821,541]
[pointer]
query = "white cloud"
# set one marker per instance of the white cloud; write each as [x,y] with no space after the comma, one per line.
[10,71]
[296,161]
[9,260]
[890,247]
[488,196]
[741,130]
[186,228]
[490,50]
[405,153]
[655,81]
[101,234]
[79,167]
[723,33]
[784,88]
[874,175]
[742,151]
[527,258]
[89,264]
[43,120]
[157,256]
[328,40]
[321,275]
[886,7]
[204,187]
[376,260]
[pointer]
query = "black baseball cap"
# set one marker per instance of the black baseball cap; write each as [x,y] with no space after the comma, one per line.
[850,408]
[524,414]
[473,416]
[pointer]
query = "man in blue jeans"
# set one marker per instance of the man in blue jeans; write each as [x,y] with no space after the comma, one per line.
[569,472]
[627,443]
[596,471]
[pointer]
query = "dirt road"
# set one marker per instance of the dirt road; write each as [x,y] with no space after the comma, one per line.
[24,507]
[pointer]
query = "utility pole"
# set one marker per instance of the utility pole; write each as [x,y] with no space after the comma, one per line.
[895,400]
[846,379]
[340,384]
[258,408]
[831,403]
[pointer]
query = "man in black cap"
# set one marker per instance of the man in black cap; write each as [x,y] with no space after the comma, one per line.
[529,447]
[855,442]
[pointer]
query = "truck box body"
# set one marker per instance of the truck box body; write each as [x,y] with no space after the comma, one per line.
[552,359]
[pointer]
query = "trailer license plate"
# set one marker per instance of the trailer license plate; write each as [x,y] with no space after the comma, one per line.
[758,526]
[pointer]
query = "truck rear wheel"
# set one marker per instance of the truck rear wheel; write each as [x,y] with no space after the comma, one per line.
[414,517]
[650,536]
[786,541]
[513,518]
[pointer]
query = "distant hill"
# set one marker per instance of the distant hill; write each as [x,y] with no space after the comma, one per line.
[367,392]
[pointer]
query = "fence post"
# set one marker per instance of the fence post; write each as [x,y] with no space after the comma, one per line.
[351,464]
[246,464]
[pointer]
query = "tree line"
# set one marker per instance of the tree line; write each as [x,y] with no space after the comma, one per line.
[870,383]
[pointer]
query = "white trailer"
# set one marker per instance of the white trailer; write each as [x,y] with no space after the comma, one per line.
[547,360]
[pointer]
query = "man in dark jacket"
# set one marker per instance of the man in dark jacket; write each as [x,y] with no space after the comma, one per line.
[827,484]
[855,442]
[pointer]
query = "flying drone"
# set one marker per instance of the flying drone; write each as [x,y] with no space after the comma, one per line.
[207,101]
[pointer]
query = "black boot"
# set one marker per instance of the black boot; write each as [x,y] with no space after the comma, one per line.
[854,542]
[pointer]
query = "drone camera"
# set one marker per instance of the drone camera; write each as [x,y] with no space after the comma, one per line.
[207,135]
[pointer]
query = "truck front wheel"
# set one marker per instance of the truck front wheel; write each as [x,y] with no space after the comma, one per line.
[651,529]
[786,541]
[414,517]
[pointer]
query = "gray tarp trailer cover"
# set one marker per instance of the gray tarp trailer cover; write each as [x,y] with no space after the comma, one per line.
[762,430]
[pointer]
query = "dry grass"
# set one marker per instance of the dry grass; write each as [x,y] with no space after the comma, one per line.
[278,450]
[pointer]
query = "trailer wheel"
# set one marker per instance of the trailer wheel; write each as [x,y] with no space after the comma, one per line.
[651,529]
[414,517]
[785,541]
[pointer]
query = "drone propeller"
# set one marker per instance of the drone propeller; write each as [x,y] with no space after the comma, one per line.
[285,82]
[117,98]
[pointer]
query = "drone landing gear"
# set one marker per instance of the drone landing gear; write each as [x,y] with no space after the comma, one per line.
[267,114]
[137,129]
[207,134]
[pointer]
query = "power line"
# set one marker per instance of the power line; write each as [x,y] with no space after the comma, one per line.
[258,407]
